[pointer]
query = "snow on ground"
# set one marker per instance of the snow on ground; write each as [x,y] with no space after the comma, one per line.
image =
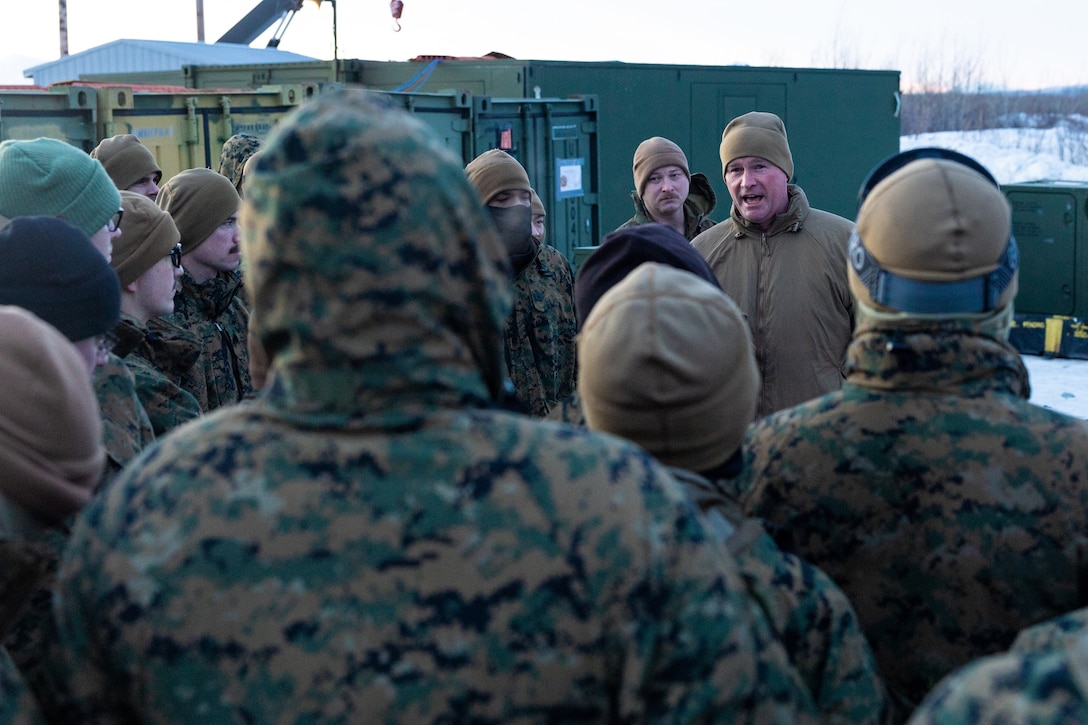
[1016,155]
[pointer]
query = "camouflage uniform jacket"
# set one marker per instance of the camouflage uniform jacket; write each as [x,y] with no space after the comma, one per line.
[790,282]
[1044,688]
[214,312]
[1052,634]
[950,510]
[29,553]
[126,428]
[370,540]
[807,611]
[18,706]
[540,349]
[697,208]
[568,410]
[157,360]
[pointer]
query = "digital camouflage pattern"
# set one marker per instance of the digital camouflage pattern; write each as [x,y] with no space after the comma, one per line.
[1046,688]
[568,410]
[697,208]
[29,554]
[541,358]
[371,539]
[214,312]
[156,359]
[951,511]
[126,428]
[808,613]
[17,703]
[235,152]
[1051,634]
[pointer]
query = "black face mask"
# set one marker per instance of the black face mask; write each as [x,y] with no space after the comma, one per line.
[514,224]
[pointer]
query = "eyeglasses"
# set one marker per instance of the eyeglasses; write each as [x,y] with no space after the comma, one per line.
[175,255]
[106,343]
[115,221]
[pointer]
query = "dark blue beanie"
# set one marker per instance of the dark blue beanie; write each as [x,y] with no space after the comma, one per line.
[625,249]
[51,269]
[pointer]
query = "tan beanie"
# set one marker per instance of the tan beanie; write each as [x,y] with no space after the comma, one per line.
[147,235]
[126,160]
[665,359]
[536,205]
[934,220]
[757,134]
[496,171]
[199,200]
[652,154]
[51,448]
[536,208]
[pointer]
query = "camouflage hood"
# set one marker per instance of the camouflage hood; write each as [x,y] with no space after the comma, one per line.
[377,285]
[934,356]
[236,151]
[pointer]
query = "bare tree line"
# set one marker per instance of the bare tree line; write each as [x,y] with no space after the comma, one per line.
[950,88]
[977,110]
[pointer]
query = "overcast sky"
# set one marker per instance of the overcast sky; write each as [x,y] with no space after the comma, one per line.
[1018,46]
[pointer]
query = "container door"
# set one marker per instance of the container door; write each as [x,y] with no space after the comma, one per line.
[556,141]
[712,106]
[448,115]
[1044,224]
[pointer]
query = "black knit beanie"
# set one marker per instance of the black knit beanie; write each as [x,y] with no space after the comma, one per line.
[625,249]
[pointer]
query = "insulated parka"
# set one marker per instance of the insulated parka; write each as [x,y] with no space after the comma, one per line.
[790,282]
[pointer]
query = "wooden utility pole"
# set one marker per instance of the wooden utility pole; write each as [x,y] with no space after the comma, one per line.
[63,28]
[200,21]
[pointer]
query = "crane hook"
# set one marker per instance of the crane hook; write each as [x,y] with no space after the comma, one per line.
[396,7]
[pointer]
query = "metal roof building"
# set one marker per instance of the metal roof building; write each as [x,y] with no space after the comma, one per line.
[124,56]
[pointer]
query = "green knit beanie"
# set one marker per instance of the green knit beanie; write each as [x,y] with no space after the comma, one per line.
[199,200]
[126,160]
[757,134]
[46,177]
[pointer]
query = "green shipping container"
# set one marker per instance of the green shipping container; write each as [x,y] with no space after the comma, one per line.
[63,113]
[840,122]
[186,128]
[556,141]
[1050,223]
[449,115]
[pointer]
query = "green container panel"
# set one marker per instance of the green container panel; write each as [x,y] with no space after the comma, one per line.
[448,115]
[311,75]
[1050,223]
[556,141]
[63,113]
[187,129]
[840,122]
